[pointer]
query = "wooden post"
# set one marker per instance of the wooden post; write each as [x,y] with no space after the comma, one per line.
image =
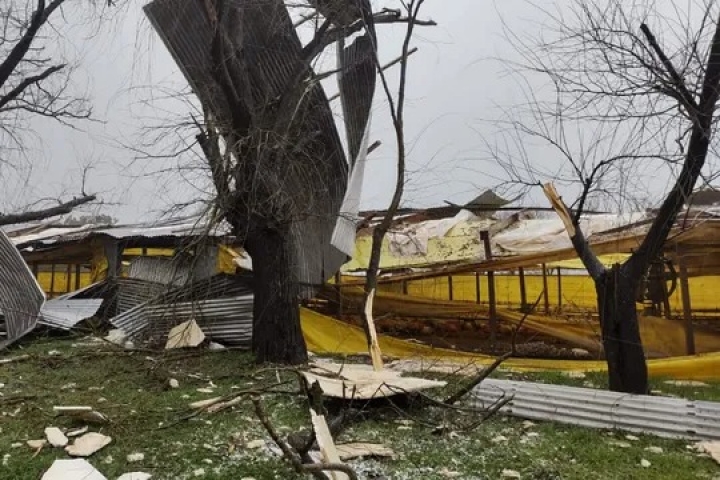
[485,236]
[559,280]
[68,279]
[77,276]
[450,287]
[52,281]
[687,308]
[546,294]
[523,292]
[477,287]
[338,293]
[405,287]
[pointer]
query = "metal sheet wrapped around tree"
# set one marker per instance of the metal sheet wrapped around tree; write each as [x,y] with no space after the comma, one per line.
[265,64]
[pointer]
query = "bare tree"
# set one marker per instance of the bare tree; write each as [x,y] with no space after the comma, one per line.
[270,139]
[33,83]
[633,93]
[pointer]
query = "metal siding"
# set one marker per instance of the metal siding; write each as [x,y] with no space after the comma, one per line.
[661,416]
[20,295]
[65,314]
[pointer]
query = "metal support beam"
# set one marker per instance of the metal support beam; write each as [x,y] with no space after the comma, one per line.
[546,294]
[687,308]
[485,236]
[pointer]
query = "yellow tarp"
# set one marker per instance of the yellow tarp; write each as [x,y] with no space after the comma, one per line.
[661,337]
[326,335]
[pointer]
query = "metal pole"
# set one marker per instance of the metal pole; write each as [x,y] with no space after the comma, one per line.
[477,287]
[687,308]
[523,292]
[546,294]
[559,283]
[450,287]
[485,236]
[52,280]
[68,280]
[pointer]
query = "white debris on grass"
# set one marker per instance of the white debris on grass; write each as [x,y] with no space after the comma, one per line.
[135,476]
[88,444]
[135,457]
[574,374]
[56,437]
[254,444]
[187,334]
[644,463]
[72,470]
[173,383]
[199,472]
[507,473]
[499,439]
[686,383]
[36,444]
[632,438]
[653,449]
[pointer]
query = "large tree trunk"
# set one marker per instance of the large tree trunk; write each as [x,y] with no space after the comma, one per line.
[627,368]
[277,335]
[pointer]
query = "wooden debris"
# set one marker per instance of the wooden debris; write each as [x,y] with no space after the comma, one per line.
[202,404]
[82,413]
[375,353]
[19,358]
[351,381]
[348,451]
[328,451]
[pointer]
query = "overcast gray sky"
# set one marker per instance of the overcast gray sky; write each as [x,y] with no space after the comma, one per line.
[455,81]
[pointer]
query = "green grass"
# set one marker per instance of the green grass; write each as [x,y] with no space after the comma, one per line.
[146,417]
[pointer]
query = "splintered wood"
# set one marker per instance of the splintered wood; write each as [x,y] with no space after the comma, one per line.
[363,382]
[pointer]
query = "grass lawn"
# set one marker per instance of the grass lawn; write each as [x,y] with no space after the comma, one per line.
[148,417]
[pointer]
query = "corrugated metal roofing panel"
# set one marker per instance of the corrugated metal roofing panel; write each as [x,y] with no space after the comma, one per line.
[65,314]
[661,416]
[20,295]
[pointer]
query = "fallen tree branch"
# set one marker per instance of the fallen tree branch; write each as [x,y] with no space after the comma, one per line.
[291,456]
[62,209]
[483,375]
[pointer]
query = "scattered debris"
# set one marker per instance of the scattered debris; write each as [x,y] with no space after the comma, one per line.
[187,334]
[82,413]
[711,448]
[205,390]
[72,470]
[77,432]
[326,444]
[574,374]
[56,437]
[632,438]
[135,476]
[350,381]
[173,383]
[201,404]
[135,457]
[254,444]
[36,444]
[348,451]
[215,347]
[117,337]
[499,439]
[447,473]
[19,358]
[507,473]
[88,444]
[644,463]
[653,449]
[686,383]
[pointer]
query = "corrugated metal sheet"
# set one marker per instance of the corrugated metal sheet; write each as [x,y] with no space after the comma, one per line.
[226,320]
[48,233]
[661,416]
[222,305]
[65,314]
[176,271]
[20,295]
[270,61]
